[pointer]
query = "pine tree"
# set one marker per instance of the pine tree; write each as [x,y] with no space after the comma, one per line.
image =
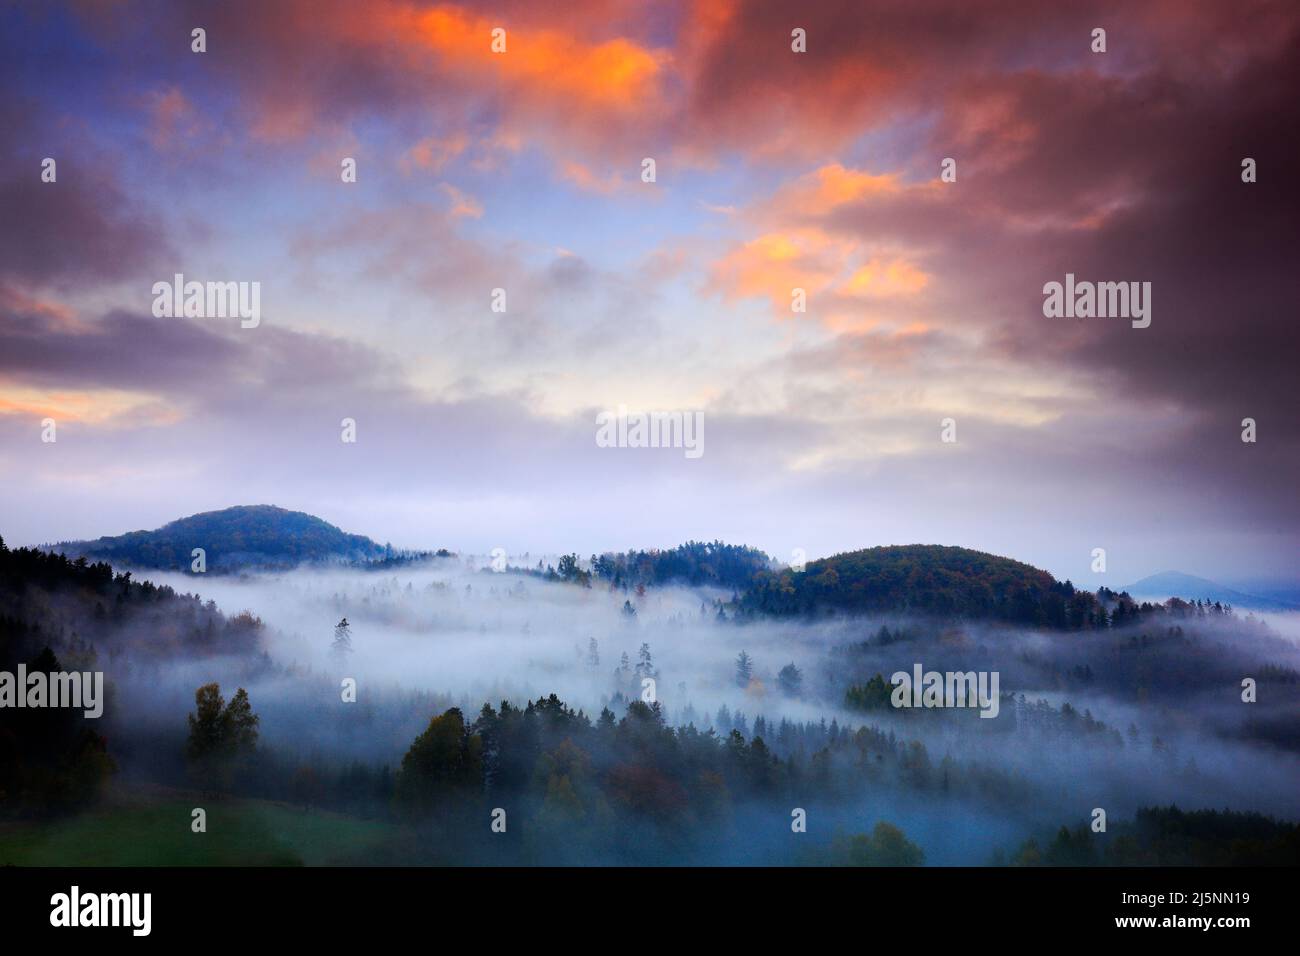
[644,666]
[744,670]
[723,720]
[342,638]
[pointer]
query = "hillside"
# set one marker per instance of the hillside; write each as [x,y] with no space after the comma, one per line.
[923,579]
[78,609]
[255,536]
[56,613]
[695,563]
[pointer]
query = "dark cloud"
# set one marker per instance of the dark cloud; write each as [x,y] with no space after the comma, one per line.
[78,231]
[1129,178]
[117,351]
[1218,252]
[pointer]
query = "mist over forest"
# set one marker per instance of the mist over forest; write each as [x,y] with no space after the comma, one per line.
[619,721]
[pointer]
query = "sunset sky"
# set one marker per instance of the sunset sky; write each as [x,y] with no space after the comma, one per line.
[522,170]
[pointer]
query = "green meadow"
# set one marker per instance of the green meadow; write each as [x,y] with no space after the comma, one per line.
[156,831]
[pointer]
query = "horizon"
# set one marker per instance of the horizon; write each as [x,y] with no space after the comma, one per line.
[583,554]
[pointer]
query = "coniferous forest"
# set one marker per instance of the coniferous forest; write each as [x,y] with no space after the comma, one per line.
[699,705]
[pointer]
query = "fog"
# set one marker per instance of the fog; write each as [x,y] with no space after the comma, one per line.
[446,633]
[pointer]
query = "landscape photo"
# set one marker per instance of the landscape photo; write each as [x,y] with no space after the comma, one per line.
[617,435]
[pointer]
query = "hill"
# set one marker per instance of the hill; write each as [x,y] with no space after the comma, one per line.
[1168,584]
[923,579]
[248,536]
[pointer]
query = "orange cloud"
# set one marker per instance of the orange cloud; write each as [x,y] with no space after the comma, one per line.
[833,185]
[776,263]
[93,407]
[462,204]
[886,279]
[852,282]
[432,153]
[566,89]
[616,75]
[584,178]
[831,270]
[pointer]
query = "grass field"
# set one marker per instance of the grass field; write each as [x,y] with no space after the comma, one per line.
[154,830]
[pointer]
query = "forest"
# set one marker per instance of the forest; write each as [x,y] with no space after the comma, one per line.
[458,714]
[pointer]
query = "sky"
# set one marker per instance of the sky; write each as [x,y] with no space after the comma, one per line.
[775,170]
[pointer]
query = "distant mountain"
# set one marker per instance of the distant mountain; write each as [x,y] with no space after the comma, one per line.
[1169,584]
[249,536]
[922,579]
[1283,591]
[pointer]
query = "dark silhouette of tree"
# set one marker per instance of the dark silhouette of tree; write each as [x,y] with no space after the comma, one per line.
[695,563]
[444,762]
[790,680]
[342,644]
[222,736]
[51,760]
[873,695]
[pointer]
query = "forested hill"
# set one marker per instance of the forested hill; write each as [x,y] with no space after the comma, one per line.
[695,563]
[78,609]
[257,536]
[932,580]
[57,614]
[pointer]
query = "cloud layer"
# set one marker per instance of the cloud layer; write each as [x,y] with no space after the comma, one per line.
[775,171]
